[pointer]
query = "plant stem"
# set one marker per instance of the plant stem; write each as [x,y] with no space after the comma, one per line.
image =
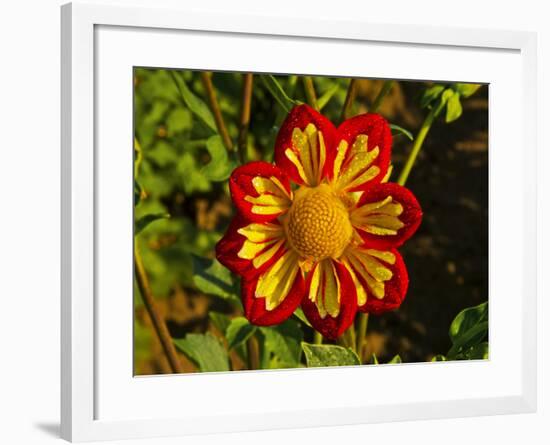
[245,115]
[350,98]
[310,92]
[290,90]
[253,352]
[159,324]
[291,85]
[347,339]
[317,338]
[386,87]
[351,337]
[361,334]
[206,78]
[419,140]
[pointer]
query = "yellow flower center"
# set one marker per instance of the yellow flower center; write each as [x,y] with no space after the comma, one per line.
[317,224]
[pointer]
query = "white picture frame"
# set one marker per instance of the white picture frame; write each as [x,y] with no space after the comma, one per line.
[96,387]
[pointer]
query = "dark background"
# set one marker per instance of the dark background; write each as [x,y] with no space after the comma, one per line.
[447,258]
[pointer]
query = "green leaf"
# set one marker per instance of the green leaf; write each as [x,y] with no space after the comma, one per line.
[454,108]
[374,359]
[396,359]
[219,320]
[196,105]
[238,331]
[212,278]
[299,313]
[469,347]
[397,130]
[281,345]
[325,98]
[439,358]
[205,350]
[276,90]
[477,352]
[220,166]
[470,338]
[469,328]
[193,180]
[178,121]
[466,89]
[162,154]
[430,95]
[467,319]
[442,101]
[156,114]
[329,355]
[145,220]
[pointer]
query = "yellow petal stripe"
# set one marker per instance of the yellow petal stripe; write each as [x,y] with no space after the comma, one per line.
[369,271]
[353,166]
[262,242]
[270,185]
[325,289]
[340,156]
[308,154]
[386,177]
[322,157]
[264,257]
[359,289]
[275,283]
[378,218]
[272,197]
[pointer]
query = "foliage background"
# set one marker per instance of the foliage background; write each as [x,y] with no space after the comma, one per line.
[181,172]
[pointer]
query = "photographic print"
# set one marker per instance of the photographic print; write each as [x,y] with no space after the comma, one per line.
[295,221]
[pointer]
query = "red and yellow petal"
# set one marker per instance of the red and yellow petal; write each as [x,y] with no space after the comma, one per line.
[249,248]
[273,296]
[362,153]
[261,191]
[304,145]
[386,215]
[330,301]
[379,277]
[395,290]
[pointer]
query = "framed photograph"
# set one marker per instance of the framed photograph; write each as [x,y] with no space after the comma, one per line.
[262,228]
